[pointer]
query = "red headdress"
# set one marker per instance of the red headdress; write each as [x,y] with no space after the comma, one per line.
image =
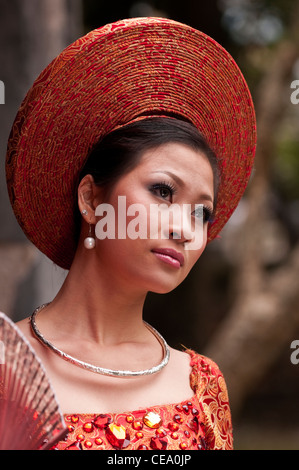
[111,76]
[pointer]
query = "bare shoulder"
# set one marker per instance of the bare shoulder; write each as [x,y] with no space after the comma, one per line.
[182,358]
[180,363]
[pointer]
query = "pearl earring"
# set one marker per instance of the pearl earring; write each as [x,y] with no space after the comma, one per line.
[89,241]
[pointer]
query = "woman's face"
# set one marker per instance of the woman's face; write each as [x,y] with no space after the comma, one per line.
[156,246]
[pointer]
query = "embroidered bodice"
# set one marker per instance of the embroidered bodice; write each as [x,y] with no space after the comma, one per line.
[202,422]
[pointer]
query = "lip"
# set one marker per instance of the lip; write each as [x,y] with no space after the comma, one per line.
[170,256]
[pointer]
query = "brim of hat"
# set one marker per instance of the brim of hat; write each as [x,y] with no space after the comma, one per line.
[104,80]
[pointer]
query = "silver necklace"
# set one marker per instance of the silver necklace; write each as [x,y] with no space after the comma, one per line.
[97,369]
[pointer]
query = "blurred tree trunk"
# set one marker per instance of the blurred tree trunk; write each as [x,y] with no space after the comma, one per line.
[32,33]
[265,310]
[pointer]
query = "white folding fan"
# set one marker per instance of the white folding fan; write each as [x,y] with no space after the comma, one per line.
[30,417]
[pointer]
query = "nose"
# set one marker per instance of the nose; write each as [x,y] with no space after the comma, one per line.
[179,224]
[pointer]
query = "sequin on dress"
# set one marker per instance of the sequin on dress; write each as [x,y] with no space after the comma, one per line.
[201,423]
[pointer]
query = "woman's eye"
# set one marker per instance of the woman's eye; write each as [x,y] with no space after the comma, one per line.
[163,190]
[205,213]
[208,215]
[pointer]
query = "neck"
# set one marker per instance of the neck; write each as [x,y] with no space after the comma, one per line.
[98,306]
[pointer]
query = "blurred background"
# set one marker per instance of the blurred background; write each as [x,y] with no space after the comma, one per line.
[240,305]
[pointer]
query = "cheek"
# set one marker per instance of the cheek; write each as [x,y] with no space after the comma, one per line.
[133,221]
[195,254]
[194,257]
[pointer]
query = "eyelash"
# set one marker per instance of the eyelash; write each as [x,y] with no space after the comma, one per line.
[208,215]
[207,212]
[164,185]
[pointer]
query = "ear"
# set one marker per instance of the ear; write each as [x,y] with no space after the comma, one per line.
[88,198]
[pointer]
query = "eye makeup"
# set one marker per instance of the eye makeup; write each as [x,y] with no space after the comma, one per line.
[205,212]
[167,190]
[163,189]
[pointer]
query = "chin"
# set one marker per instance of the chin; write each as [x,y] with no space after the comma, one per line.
[164,288]
[161,291]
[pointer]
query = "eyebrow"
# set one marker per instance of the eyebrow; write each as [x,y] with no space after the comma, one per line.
[178,180]
[172,175]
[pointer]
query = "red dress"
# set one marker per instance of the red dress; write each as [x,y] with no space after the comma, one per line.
[202,422]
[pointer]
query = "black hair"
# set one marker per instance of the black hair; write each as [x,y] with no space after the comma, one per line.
[119,151]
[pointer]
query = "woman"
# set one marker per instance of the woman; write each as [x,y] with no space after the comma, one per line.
[142,113]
